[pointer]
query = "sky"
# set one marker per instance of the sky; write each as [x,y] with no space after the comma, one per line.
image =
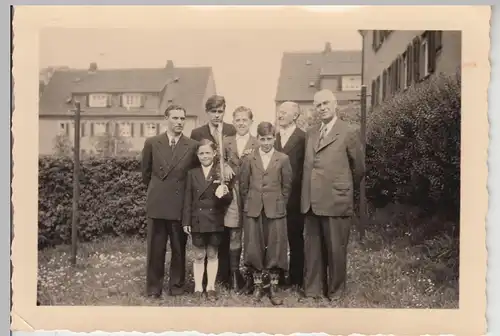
[245,60]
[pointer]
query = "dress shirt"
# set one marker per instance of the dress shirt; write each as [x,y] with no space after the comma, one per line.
[241,142]
[176,137]
[327,127]
[206,170]
[266,157]
[285,134]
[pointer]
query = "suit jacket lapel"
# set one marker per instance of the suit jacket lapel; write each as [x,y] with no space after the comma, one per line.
[292,141]
[233,146]
[278,142]
[273,162]
[179,151]
[258,161]
[205,182]
[331,136]
[163,147]
[251,143]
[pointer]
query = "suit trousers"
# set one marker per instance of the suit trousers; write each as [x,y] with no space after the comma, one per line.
[325,252]
[295,228]
[159,232]
[265,243]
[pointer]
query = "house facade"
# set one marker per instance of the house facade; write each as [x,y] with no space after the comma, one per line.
[128,103]
[395,60]
[302,74]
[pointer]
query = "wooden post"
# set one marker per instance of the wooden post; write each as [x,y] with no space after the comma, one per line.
[362,189]
[76,185]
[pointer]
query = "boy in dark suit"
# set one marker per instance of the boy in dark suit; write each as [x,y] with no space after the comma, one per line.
[205,203]
[166,158]
[214,130]
[265,185]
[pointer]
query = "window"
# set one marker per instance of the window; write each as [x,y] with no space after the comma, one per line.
[150,129]
[98,100]
[63,129]
[99,128]
[351,83]
[125,129]
[132,100]
[424,57]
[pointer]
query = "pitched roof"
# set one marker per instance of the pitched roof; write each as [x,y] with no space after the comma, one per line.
[188,91]
[299,69]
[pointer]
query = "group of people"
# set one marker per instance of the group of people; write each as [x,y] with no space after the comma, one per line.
[283,190]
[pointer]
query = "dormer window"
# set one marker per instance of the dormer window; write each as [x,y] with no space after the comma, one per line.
[99,100]
[132,100]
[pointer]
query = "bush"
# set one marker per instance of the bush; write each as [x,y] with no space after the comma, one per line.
[350,113]
[112,199]
[413,148]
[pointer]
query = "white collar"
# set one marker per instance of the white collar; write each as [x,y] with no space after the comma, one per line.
[262,153]
[328,126]
[176,137]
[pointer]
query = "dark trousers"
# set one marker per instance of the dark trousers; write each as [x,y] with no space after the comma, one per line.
[223,271]
[295,228]
[265,243]
[325,252]
[159,232]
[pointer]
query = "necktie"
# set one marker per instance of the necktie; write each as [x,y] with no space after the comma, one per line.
[322,136]
[216,135]
[172,143]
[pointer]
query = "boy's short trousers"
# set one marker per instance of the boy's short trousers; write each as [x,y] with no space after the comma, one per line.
[203,239]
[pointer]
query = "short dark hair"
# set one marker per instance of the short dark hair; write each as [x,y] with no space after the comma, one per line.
[265,128]
[240,109]
[205,142]
[174,107]
[214,102]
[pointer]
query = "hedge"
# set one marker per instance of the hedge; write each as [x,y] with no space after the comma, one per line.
[112,199]
[413,147]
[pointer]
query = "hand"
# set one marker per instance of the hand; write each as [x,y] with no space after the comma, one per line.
[228,172]
[187,229]
[221,191]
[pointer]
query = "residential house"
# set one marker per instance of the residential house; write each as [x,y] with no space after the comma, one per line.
[304,73]
[126,102]
[396,59]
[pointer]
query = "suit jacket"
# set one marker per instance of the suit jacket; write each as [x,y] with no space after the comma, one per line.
[203,211]
[203,132]
[295,149]
[332,171]
[268,189]
[164,172]
[231,149]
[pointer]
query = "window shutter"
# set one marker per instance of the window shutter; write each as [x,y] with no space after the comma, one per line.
[141,130]
[374,40]
[416,59]
[384,85]
[108,100]
[67,129]
[157,129]
[82,130]
[91,129]
[431,51]
[409,65]
[117,129]
[143,100]
[107,127]
[373,93]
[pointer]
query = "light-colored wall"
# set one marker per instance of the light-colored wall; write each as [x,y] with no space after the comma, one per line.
[49,128]
[397,42]
[151,101]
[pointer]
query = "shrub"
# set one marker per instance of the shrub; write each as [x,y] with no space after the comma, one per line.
[413,147]
[350,113]
[112,199]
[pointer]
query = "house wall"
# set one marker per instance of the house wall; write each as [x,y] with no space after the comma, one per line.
[49,128]
[151,100]
[375,62]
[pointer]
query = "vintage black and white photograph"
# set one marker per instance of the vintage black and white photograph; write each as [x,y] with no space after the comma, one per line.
[249,168]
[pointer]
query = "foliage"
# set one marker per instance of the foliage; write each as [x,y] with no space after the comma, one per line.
[350,113]
[62,145]
[413,147]
[112,199]
[109,144]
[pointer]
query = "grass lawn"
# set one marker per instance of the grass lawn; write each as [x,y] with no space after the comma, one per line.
[112,272]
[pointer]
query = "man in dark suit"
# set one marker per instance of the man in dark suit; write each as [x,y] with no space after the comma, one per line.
[166,159]
[333,169]
[215,107]
[291,141]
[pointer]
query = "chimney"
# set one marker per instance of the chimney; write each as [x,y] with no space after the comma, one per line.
[93,67]
[328,48]
[169,66]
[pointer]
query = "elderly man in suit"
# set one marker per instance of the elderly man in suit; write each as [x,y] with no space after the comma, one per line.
[238,148]
[291,141]
[166,159]
[333,169]
[215,129]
